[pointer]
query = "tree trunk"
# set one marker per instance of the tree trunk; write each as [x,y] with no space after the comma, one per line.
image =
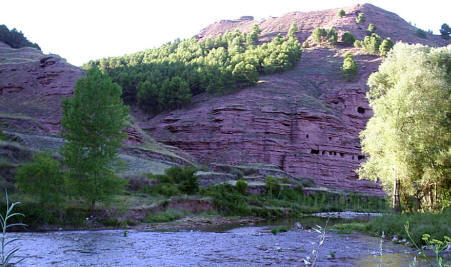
[396,198]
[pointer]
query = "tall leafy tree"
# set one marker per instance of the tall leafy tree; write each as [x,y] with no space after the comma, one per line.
[94,120]
[408,139]
[445,31]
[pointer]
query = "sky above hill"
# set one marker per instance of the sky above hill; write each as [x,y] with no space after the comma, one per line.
[90,29]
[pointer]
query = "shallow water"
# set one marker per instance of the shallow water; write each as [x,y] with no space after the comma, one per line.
[244,246]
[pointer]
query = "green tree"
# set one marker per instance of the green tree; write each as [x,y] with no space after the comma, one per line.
[349,67]
[371,44]
[332,36]
[319,35]
[385,46]
[445,31]
[293,30]
[42,177]
[93,123]
[408,139]
[347,38]
[371,28]
[246,74]
[360,18]
[422,34]
[341,13]
[255,33]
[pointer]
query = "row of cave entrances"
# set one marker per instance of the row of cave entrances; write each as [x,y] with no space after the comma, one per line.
[334,153]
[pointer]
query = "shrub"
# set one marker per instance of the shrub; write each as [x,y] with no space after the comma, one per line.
[228,200]
[347,39]
[349,67]
[357,43]
[421,33]
[341,13]
[321,35]
[42,177]
[241,186]
[386,45]
[445,31]
[360,18]
[371,28]
[332,36]
[175,180]
[371,44]
[272,186]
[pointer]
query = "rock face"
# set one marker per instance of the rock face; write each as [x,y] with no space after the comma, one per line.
[306,121]
[32,85]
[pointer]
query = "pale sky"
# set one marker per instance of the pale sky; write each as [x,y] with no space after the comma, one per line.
[90,29]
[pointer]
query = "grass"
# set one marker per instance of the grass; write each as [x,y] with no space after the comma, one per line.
[279,229]
[435,224]
[165,216]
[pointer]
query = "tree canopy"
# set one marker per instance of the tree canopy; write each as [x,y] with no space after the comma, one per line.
[94,120]
[167,77]
[408,139]
[15,38]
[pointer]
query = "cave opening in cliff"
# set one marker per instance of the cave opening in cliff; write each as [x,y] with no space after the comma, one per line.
[314,151]
[360,110]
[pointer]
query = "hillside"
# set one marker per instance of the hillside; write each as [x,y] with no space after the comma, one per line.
[304,121]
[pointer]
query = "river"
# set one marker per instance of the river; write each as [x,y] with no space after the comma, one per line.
[242,246]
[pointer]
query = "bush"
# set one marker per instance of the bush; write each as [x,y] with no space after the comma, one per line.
[42,177]
[349,67]
[445,31]
[357,44]
[321,35]
[386,45]
[421,33]
[175,180]
[371,28]
[228,200]
[272,186]
[341,13]
[241,186]
[360,18]
[347,39]
[371,44]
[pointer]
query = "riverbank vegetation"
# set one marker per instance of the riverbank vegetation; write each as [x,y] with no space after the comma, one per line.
[408,139]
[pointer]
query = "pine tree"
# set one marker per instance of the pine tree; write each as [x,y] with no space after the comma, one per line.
[94,120]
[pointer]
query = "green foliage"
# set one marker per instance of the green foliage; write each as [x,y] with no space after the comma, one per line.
[347,38]
[349,67]
[272,186]
[408,137]
[228,200]
[321,35]
[7,256]
[241,186]
[167,77]
[175,180]
[42,177]
[445,31]
[371,28]
[15,38]
[341,13]
[360,18]
[357,44]
[2,135]
[421,33]
[166,216]
[293,30]
[371,44]
[94,120]
[386,46]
